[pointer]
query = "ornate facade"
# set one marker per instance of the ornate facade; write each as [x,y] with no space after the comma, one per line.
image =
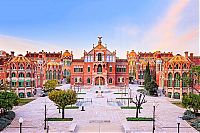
[21,74]
[99,67]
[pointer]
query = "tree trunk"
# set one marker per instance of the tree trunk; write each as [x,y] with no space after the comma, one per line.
[63,113]
[137,110]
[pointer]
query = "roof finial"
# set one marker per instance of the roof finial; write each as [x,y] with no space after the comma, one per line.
[99,37]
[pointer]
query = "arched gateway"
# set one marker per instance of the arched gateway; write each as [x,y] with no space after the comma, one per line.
[99,81]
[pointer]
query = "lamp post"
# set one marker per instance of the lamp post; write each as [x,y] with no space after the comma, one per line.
[45,116]
[178,124]
[20,124]
[154,109]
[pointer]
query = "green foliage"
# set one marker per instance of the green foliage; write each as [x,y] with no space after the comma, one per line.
[6,119]
[147,76]
[188,115]
[23,101]
[59,119]
[8,100]
[196,125]
[50,85]
[4,87]
[191,101]
[139,119]
[130,107]
[152,87]
[63,98]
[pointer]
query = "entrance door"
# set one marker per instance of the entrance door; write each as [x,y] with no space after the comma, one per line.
[99,81]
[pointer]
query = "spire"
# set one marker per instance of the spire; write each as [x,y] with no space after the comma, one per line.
[99,42]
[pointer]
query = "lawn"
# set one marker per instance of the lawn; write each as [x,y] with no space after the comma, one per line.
[120,93]
[139,119]
[129,107]
[59,119]
[177,103]
[23,101]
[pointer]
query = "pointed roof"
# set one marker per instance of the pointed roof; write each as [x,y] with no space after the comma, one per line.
[20,58]
[179,58]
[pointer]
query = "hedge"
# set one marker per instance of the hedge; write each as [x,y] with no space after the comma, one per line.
[6,119]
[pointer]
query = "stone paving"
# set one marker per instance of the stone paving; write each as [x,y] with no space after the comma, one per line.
[99,116]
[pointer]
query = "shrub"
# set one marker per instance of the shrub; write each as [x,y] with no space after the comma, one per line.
[6,119]
[188,115]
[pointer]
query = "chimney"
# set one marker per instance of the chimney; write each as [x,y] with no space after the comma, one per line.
[12,53]
[191,55]
[186,53]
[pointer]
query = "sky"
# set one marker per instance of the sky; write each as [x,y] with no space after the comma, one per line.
[125,25]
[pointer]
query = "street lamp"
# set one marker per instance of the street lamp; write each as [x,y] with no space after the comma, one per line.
[178,123]
[154,110]
[20,124]
[125,89]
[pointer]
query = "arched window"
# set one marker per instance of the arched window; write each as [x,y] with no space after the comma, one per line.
[13,75]
[99,57]
[176,80]
[28,67]
[110,81]
[176,66]
[184,66]
[21,66]
[184,82]
[28,75]
[21,75]
[47,75]
[88,80]
[170,80]
[80,79]
[50,75]
[99,69]
[58,75]
[122,79]
[54,74]
[170,67]
[110,69]
[65,72]
[75,80]
[68,73]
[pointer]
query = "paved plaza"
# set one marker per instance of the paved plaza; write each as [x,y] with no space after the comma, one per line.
[99,116]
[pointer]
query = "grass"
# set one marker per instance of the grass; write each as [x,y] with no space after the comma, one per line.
[23,101]
[179,104]
[120,93]
[129,107]
[70,107]
[59,119]
[139,119]
[123,98]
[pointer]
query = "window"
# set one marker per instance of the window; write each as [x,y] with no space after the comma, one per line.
[21,83]
[184,76]
[21,75]
[50,75]
[118,80]
[99,57]
[88,80]
[121,69]
[78,70]
[75,80]
[80,79]
[28,83]
[28,75]
[47,75]
[65,72]
[88,68]
[21,66]
[99,69]
[176,66]
[110,68]
[13,75]
[176,80]
[170,80]
[122,79]
[54,74]
[68,63]
[13,83]
[110,81]
[184,66]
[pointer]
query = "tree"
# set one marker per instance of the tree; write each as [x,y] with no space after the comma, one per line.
[139,101]
[50,85]
[191,101]
[152,87]
[63,98]
[147,76]
[4,87]
[7,100]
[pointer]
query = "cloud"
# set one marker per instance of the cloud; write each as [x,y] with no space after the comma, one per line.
[165,33]
[21,45]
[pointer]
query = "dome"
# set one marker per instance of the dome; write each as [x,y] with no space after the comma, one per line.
[179,58]
[20,58]
[66,53]
[132,53]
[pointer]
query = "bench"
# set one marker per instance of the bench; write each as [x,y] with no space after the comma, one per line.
[126,128]
[72,127]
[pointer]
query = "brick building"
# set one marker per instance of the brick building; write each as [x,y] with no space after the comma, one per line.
[99,67]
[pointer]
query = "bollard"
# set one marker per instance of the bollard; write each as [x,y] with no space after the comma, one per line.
[82,108]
